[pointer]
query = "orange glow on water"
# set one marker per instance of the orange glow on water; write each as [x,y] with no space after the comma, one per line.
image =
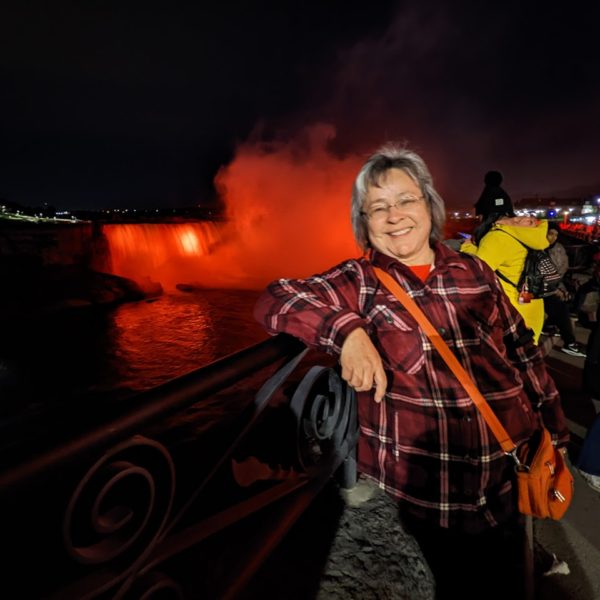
[190,243]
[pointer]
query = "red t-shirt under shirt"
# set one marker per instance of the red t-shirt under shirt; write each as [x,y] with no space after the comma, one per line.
[421,271]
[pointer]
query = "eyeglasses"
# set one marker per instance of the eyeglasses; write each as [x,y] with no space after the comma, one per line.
[381,210]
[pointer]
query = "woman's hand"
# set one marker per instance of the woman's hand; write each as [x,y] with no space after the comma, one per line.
[361,364]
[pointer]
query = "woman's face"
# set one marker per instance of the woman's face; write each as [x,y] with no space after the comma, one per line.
[399,219]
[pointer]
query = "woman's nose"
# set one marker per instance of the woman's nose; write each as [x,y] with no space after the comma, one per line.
[395,212]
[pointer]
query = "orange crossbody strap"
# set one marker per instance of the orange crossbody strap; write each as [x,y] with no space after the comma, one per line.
[484,408]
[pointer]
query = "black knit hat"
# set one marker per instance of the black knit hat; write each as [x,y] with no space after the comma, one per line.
[494,199]
[553,225]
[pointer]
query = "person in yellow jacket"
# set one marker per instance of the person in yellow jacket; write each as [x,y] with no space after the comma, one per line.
[496,241]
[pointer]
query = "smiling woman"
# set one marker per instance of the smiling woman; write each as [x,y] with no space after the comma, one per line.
[420,438]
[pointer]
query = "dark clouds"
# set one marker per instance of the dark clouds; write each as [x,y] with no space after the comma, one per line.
[107,104]
[512,88]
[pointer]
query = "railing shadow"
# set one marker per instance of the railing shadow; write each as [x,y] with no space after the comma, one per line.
[206,473]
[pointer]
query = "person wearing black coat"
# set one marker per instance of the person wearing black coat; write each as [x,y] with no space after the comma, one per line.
[493,199]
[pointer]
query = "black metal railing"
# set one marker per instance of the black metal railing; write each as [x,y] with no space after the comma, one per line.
[139,506]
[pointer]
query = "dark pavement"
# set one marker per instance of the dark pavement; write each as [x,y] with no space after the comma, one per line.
[576,538]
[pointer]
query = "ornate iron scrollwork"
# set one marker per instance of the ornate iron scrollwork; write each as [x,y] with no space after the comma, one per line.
[119,509]
[124,518]
[326,419]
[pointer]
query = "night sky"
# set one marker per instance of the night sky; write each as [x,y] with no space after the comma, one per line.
[129,104]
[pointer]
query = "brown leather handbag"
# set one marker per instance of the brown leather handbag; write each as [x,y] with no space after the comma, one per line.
[544,482]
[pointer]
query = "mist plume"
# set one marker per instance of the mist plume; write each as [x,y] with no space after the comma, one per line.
[288,205]
[287,215]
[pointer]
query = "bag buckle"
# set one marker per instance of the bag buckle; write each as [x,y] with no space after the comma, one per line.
[519,466]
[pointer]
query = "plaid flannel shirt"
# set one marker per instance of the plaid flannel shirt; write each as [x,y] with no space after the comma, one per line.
[425,443]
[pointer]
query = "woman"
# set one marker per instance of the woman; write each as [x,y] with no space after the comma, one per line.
[500,240]
[421,438]
[556,250]
[555,305]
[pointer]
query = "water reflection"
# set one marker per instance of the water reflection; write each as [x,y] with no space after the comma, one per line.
[154,342]
[81,356]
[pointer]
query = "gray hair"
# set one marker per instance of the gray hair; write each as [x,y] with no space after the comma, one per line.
[395,156]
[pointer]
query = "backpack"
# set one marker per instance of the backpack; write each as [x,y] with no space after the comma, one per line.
[539,276]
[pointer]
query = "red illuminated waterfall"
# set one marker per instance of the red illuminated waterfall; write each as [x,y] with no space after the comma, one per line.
[288,215]
[166,253]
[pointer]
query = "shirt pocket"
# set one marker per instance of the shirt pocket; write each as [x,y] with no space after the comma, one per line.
[516,415]
[398,342]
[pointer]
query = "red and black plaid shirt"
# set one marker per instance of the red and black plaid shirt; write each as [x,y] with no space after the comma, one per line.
[426,443]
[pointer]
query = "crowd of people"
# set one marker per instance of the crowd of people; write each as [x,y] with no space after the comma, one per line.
[421,438]
[502,239]
[553,315]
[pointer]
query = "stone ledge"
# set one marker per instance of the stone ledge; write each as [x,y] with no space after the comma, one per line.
[372,557]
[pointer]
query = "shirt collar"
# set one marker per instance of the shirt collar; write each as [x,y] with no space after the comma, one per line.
[445,258]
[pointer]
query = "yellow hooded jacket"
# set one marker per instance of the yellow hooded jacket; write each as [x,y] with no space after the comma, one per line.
[503,253]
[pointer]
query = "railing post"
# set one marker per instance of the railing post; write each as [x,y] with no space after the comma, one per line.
[529,565]
[347,473]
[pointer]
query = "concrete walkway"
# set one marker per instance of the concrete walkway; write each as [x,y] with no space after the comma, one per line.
[576,538]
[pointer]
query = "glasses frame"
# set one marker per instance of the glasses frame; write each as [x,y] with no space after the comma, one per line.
[385,212]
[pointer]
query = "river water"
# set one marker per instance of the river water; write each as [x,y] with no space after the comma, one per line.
[84,355]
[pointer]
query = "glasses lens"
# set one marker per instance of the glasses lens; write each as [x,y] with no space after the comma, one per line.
[381,210]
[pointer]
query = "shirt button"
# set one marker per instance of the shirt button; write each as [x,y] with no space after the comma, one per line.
[468,492]
[389,319]
[442,331]
[467,418]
